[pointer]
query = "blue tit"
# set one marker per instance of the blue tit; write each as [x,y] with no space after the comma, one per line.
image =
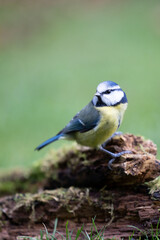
[98,121]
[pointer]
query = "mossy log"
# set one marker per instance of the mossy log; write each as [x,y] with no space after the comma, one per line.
[85,167]
[115,209]
[84,187]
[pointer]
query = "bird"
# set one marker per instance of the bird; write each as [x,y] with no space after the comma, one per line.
[98,121]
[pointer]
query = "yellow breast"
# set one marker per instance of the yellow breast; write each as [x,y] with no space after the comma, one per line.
[111,118]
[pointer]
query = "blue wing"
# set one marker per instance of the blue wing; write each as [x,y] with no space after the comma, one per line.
[84,121]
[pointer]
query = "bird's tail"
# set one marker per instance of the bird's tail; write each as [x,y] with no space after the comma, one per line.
[50,140]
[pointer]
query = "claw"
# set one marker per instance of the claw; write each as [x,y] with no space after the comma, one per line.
[110,163]
[114,155]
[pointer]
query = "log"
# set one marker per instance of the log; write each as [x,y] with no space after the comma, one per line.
[85,167]
[76,184]
[114,209]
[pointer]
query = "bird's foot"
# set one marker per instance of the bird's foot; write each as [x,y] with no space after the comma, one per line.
[113,155]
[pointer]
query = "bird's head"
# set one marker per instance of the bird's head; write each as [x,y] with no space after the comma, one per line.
[109,94]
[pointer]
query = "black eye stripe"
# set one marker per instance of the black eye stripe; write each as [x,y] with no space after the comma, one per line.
[108,91]
[112,90]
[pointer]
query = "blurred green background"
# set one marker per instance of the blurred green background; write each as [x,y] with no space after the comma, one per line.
[53,54]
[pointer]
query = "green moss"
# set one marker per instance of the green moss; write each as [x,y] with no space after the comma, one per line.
[44,168]
[7,187]
[70,199]
[24,181]
[154,185]
[11,187]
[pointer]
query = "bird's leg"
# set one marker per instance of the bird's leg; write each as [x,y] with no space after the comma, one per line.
[109,139]
[113,155]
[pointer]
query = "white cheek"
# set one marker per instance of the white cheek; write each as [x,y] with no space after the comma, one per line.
[106,100]
[113,98]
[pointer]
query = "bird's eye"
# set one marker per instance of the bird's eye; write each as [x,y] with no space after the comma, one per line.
[107,91]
